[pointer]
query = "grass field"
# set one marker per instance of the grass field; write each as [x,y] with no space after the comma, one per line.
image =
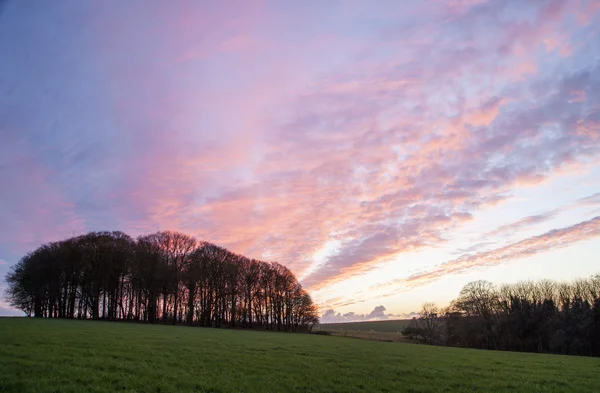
[85,356]
[371,330]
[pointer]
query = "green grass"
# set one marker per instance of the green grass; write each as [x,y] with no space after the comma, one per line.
[85,356]
[376,326]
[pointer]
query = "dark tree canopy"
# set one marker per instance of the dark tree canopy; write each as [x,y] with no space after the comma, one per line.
[542,316]
[165,277]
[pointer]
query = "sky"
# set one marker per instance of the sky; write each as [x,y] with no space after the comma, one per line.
[388,152]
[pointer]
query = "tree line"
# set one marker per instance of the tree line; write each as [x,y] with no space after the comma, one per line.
[165,277]
[543,316]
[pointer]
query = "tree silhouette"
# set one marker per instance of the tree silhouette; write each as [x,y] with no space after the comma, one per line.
[165,277]
[542,316]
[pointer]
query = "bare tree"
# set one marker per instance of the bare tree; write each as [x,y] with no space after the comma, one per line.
[165,276]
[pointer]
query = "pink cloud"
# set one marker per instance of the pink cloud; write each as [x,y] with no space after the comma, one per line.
[378,314]
[588,11]
[523,223]
[551,240]
[531,221]
[244,126]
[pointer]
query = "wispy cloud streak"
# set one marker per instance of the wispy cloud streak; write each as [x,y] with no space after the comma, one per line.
[551,240]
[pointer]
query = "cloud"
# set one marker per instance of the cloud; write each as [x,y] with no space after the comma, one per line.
[503,147]
[551,240]
[489,166]
[473,248]
[536,219]
[276,140]
[409,315]
[378,314]
[590,200]
[523,223]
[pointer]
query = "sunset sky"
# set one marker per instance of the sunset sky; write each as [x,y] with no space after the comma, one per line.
[388,152]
